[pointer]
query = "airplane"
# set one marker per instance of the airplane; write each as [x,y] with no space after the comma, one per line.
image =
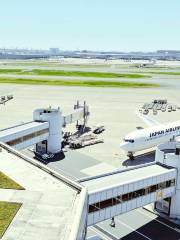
[149,137]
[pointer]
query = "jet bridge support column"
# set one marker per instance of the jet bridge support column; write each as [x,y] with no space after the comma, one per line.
[54,117]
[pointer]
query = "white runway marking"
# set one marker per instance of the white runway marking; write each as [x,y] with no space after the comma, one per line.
[99,233]
[146,214]
[131,228]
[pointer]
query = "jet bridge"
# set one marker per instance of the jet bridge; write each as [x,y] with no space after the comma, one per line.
[119,192]
[45,131]
[25,135]
[80,112]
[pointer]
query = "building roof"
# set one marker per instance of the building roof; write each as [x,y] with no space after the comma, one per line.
[48,204]
[23,127]
[126,177]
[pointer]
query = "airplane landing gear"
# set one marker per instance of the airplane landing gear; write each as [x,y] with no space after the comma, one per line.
[131,156]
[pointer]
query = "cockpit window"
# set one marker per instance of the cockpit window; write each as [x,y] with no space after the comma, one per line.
[129,140]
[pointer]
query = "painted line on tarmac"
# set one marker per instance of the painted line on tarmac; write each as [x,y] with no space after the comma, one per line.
[178,230]
[99,233]
[108,234]
[174,229]
[131,228]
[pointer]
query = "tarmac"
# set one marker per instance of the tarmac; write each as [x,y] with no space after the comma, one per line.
[136,225]
[113,108]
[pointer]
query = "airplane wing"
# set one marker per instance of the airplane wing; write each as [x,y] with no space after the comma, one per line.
[148,120]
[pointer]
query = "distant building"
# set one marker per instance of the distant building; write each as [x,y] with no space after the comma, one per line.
[169,52]
[54,51]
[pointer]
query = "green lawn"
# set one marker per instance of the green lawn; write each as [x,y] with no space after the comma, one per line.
[86,74]
[6,182]
[166,73]
[80,83]
[42,72]
[11,71]
[7,213]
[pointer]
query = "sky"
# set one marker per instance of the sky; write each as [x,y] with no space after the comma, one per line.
[103,25]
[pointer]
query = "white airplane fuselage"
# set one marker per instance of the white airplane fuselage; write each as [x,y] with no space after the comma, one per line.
[150,137]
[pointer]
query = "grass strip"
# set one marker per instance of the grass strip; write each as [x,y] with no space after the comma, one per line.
[79,83]
[7,213]
[166,73]
[8,183]
[42,72]
[11,71]
[86,74]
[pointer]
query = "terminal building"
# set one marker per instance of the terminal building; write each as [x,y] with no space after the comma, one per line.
[56,207]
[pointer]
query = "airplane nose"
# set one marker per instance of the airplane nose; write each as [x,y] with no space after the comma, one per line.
[123,145]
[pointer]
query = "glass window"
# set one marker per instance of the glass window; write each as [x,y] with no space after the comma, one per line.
[153,188]
[27,137]
[162,185]
[125,197]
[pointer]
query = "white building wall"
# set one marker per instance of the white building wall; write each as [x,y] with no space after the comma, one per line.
[129,187]
[55,119]
[31,142]
[173,160]
[27,130]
